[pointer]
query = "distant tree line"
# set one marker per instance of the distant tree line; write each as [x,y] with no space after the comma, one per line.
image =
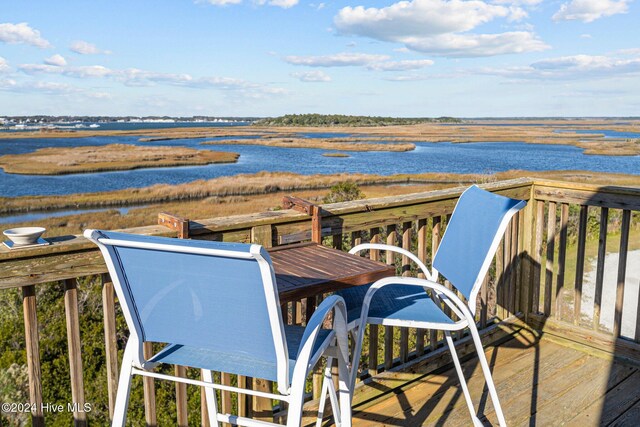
[343,120]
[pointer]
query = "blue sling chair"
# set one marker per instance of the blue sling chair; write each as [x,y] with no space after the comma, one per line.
[464,255]
[216,307]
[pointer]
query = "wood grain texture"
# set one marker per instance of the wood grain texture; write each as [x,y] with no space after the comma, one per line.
[75,350]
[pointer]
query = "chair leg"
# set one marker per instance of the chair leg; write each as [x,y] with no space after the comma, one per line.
[487,374]
[345,391]
[124,386]
[463,381]
[328,388]
[210,396]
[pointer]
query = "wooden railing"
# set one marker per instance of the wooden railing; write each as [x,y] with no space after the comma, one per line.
[528,285]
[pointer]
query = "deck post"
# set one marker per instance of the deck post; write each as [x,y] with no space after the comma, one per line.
[33,353]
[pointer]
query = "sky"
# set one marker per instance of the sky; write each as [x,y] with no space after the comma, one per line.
[418,58]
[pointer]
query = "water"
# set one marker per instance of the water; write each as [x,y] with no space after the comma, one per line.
[36,216]
[483,157]
[607,133]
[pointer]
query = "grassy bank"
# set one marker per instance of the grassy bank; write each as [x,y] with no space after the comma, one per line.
[273,182]
[113,157]
[324,143]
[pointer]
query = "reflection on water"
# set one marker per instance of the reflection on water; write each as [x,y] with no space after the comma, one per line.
[485,157]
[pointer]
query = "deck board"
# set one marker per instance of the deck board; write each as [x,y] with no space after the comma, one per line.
[539,385]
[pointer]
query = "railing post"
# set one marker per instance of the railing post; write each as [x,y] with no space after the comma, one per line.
[181,225]
[111,348]
[531,234]
[75,351]
[262,408]
[174,222]
[33,353]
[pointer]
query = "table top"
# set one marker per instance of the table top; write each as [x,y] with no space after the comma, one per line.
[309,269]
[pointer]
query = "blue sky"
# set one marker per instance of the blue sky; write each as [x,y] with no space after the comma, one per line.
[419,58]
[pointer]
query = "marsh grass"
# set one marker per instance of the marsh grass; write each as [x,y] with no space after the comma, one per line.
[112,157]
[324,143]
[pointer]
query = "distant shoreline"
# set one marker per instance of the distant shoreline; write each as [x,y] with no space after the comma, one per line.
[477,131]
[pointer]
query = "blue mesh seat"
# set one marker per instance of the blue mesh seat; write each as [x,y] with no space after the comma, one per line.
[216,307]
[464,255]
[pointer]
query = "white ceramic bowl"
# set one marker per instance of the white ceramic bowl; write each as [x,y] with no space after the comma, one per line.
[24,235]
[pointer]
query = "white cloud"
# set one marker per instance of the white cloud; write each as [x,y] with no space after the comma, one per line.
[312,76]
[590,10]
[86,48]
[414,64]
[407,78]
[4,65]
[89,71]
[527,3]
[285,4]
[137,77]
[439,27]
[57,60]
[572,68]
[22,33]
[586,36]
[517,14]
[220,2]
[473,45]
[337,60]
[50,88]
[372,62]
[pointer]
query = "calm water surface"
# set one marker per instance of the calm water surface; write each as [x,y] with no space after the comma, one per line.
[483,157]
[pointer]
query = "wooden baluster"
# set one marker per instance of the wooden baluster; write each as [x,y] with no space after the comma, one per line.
[75,351]
[111,345]
[149,390]
[181,397]
[422,256]
[582,240]
[32,340]
[537,257]
[500,280]
[622,272]
[225,396]
[204,411]
[602,253]
[374,254]
[514,270]
[406,271]
[243,407]
[507,269]
[336,241]
[562,256]
[388,330]
[549,289]
[484,302]
[356,238]
[435,242]
[519,284]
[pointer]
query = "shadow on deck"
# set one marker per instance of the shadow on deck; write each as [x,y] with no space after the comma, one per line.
[541,382]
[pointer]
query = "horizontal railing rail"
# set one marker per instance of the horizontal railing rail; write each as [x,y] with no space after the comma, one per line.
[528,280]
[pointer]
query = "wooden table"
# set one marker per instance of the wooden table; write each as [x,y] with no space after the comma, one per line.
[309,269]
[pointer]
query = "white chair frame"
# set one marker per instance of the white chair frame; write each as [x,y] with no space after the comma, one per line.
[464,312]
[292,392]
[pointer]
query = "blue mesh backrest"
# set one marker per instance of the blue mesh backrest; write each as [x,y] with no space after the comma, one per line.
[468,242]
[197,300]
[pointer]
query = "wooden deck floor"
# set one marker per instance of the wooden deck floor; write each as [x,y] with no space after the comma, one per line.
[547,384]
